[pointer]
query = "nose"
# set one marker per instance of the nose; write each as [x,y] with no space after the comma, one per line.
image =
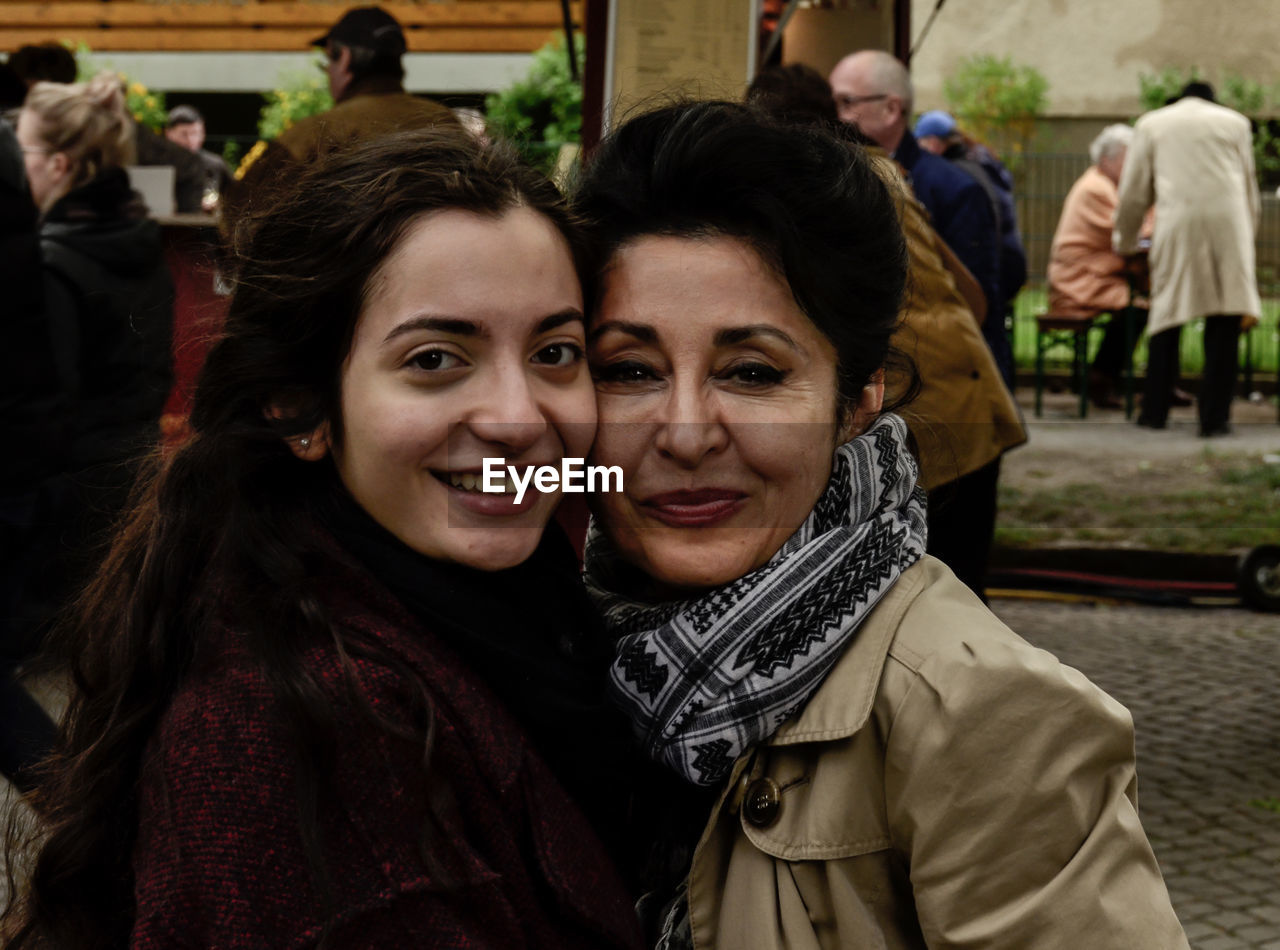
[693,429]
[508,412]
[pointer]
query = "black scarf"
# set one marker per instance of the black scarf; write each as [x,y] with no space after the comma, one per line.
[531,633]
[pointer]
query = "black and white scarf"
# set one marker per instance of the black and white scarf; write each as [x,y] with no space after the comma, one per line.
[705,679]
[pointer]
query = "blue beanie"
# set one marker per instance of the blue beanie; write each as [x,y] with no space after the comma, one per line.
[935,122]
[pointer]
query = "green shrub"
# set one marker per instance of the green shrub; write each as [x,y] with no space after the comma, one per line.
[998,102]
[298,96]
[145,105]
[1155,89]
[543,111]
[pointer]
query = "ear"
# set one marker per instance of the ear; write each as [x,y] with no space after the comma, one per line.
[862,411]
[311,446]
[59,165]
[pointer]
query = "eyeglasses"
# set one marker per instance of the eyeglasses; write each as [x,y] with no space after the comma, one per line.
[859,100]
[37,150]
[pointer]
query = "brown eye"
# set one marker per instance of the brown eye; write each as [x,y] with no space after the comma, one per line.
[754,374]
[433,361]
[624,371]
[558,354]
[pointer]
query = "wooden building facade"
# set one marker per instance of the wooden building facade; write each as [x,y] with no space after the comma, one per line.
[431,26]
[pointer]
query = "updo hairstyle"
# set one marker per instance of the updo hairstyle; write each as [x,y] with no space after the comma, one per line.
[809,203]
[87,121]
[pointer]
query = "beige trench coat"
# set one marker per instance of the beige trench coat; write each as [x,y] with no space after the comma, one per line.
[948,786]
[1194,161]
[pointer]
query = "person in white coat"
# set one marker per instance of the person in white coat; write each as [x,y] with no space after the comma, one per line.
[1193,160]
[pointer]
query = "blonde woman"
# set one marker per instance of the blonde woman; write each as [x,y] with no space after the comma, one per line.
[108,303]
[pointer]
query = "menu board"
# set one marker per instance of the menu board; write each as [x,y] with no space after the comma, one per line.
[666,48]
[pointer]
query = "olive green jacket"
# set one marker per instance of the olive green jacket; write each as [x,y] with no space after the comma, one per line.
[374,107]
[962,417]
[948,786]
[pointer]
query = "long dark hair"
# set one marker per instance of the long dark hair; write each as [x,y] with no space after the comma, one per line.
[223,528]
[810,203]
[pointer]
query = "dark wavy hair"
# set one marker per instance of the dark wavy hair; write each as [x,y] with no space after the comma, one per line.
[796,92]
[811,204]
[223,526]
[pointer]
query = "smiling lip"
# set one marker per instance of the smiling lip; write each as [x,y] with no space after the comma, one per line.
[694,509]
[491,504]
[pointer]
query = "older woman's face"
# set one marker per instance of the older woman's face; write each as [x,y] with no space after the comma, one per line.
[1113,165]
[718,399]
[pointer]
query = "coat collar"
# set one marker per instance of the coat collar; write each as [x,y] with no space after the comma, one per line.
[908,151]
[843,705]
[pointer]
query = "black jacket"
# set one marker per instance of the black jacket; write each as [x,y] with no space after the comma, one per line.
[109,300]
[31,401]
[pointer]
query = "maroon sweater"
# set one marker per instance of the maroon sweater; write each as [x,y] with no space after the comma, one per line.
[219,860]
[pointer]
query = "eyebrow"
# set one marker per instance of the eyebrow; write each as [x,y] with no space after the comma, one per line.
[641,331]
[455,326]
[735,335]
[450,325]
[559,320]
[731,336]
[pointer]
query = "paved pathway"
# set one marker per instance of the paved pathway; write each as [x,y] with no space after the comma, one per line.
[1204,690]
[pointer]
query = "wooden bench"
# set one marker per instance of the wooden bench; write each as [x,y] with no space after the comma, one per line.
[1055,331]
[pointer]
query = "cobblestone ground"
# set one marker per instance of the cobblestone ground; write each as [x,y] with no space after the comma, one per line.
[1204,690]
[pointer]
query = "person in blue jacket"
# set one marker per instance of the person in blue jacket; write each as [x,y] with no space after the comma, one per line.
[937,132]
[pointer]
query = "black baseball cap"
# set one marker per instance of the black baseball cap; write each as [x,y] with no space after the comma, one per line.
[183,115]
[369,28]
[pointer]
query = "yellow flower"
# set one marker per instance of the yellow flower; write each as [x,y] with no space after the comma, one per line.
[254,154]
[138,89]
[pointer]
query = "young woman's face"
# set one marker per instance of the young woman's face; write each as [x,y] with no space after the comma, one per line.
[471,346]
[718,399]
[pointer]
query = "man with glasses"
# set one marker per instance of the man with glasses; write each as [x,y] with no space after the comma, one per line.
[873,91]
[363,53]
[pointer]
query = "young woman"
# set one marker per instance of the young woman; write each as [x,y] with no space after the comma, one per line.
[895,768]
[97,375]
[108,296]
[329,693]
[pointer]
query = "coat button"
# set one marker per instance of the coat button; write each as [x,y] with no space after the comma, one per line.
[762,802]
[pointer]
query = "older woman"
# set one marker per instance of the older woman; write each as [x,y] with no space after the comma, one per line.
[895,767]
[1086,277]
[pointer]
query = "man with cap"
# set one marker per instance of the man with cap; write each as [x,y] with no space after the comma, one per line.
[937,132]
[873,91]
[185,127]
[362,61]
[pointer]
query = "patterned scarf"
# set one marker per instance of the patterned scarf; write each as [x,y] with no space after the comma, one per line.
[705,679]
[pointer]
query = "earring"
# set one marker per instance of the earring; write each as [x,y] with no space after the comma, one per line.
[305,442]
